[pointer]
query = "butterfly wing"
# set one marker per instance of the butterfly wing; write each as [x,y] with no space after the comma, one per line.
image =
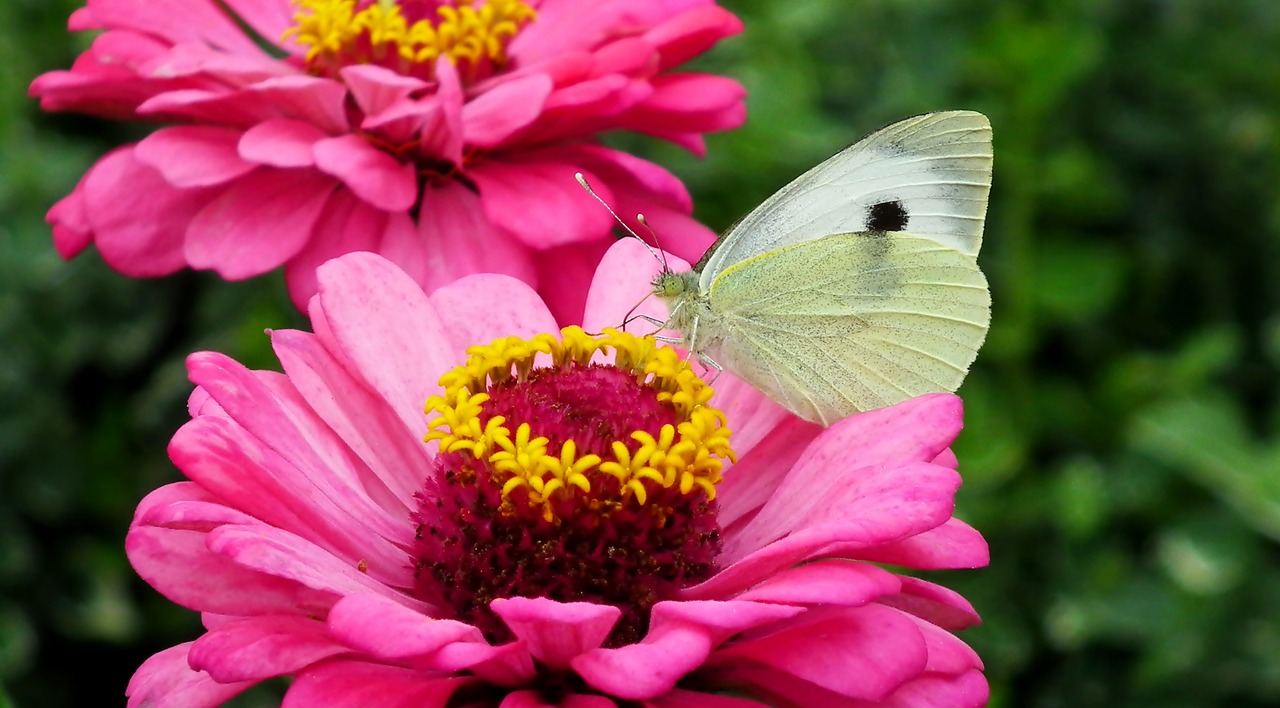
[928,175]
[851,322]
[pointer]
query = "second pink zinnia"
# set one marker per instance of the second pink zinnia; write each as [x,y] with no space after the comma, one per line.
[442,134]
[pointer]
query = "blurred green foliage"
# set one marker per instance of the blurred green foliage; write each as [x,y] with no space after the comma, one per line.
[1122,454]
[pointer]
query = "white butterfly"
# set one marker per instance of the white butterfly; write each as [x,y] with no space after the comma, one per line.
[857,285]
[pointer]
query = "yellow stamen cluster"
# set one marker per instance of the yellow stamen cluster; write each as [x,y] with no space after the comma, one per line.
[464,30]
[689,454]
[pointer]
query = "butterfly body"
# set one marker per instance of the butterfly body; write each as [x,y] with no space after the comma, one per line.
[856,286]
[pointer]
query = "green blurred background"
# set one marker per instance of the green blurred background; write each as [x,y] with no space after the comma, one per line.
[1122,453]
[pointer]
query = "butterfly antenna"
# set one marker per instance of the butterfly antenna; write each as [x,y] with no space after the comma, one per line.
[583,181]
[661,253]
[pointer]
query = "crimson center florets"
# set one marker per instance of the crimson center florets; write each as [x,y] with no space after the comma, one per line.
[563,477]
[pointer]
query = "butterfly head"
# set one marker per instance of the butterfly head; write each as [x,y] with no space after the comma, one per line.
[670,285]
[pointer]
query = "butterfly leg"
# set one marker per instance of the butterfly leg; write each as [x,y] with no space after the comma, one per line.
[710,365]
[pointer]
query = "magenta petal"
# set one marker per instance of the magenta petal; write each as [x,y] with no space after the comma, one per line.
[71,230]
[454,238]
[564,274]
[681,637]
[540,202]
[194,155]
[374,88]
[138,220]
[864,653]
[258,223]
[829,582]
[968,690]
[356,684]
[167,681]
[556,632]
[496,114]
[679,698]
[377,177]
[262,647]
[760,468]
[954,544]
[347,224]
[481,308]
[280,143]
[388,630]
[692,33]
[933,603]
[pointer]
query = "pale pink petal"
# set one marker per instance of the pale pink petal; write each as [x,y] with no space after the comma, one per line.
[372,174]
[624,280]
[356,684]
[760,468]
[556,632]
[681,636]
[456,239]
[398,462]
[388,630]
[262,647]
[283,142]
[489,119]
[166,681]
[384,325]
[258,223]
[194,155]
[539,201]
[137,219]
[481,308]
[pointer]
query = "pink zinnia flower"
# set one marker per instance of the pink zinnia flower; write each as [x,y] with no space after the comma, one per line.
[575,532]
[443,134]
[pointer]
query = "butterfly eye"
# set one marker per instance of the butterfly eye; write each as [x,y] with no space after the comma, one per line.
[887,216]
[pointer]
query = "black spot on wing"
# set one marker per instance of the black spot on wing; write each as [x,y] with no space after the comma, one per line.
[887,216]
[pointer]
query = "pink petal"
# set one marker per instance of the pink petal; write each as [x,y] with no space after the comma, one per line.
[71,230]
[441,131]
[312,99]
[865,652]
[681,637]
[955,544]
[564,274]
[384,325]
[356,684]
[258,223]
[364,422]
[492,117]
[375,88]
[968,690]
[556,632]
[286,446]
[390,631]
[933,603]
[375,176]
[194,155]
[692,33]
[178,21]
[347,224]
[688,103]
[217,106]
[103,80]
[760,468]
[623,280]
[262,647]
[166,681]
[481,308]
[829,582]
[268,19]
[138,220]
[538,200]
[455,239]
[282,142]
[679,698]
